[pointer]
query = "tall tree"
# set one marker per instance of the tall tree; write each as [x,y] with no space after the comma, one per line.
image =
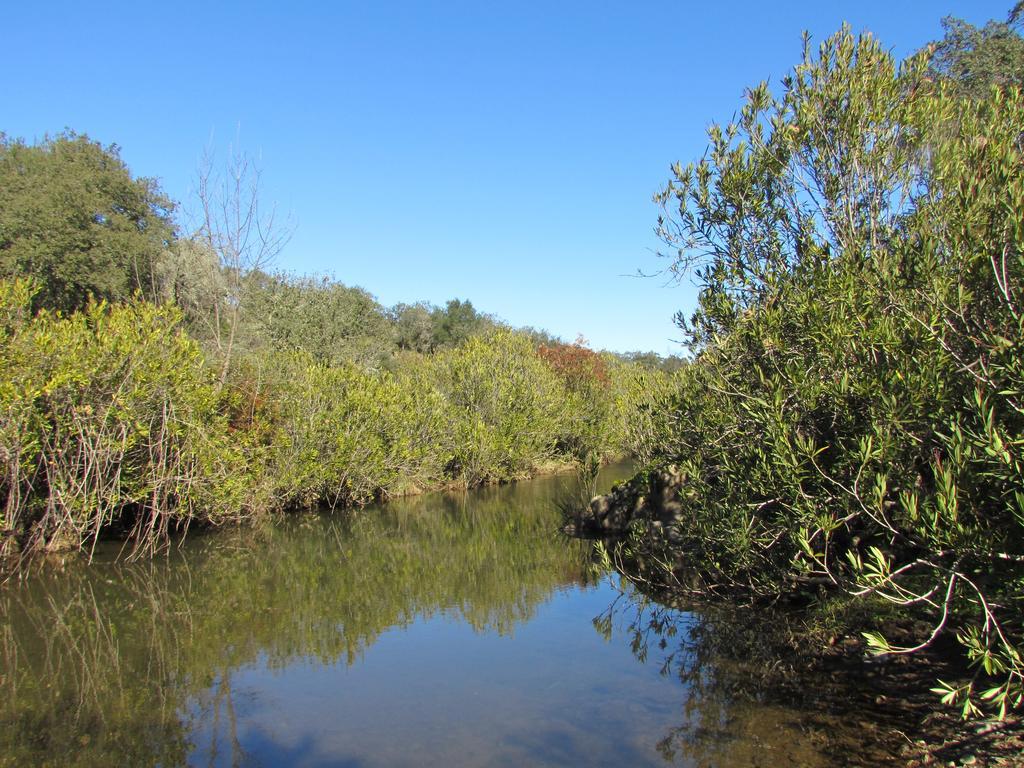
[978,58]
[456,322]
[852,414]
[243,235]
[414,327]
[331,321]
[74,219]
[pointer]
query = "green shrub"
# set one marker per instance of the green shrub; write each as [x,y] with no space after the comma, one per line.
[108,416]
[345,435]
[852,417]
[641,415]
[503,406]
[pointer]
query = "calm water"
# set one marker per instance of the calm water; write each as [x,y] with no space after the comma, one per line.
[442,630]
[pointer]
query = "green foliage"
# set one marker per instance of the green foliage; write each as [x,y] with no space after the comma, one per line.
[456,323]
[197,285]
[330,321]
[333,322]
[852,416]
[503,405]
[306,391]
[588,409]
[346,435]
[976,59]
[414,327]
[642,413]
[654,361]
[112,419]
[73,218]
[107,416]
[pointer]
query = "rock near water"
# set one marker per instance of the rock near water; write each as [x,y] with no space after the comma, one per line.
[651,495]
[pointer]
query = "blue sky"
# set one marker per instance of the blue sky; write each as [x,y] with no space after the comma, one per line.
[504,153]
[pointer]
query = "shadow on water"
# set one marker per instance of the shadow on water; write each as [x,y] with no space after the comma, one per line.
[445,629]
[756,689]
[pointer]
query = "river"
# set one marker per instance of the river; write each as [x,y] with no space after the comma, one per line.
[447,629]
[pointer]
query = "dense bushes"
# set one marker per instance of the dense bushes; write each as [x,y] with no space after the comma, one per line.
[343,435]
[111,418]
[107,416]
[491,410]
[505,405]
[853,417]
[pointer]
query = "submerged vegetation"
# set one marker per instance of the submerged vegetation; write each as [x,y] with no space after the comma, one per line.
[850,431]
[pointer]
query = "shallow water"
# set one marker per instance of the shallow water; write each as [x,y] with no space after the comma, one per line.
[442,630]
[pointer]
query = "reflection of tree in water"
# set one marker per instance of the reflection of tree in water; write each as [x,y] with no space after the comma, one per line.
[70,690]
[744,701]
[113,663]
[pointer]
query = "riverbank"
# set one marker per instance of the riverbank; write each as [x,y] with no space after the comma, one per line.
[903,714]
[117,421]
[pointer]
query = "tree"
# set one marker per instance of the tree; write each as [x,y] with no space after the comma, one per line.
[243,236]
[331,321]
[585,377]
[977,59]
[73,218]
[198,285]
[414,327]
[459,320]
[653,361]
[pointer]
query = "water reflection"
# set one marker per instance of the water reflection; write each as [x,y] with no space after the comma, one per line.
[444,630]
[748,696]
[101,662]
[731,677]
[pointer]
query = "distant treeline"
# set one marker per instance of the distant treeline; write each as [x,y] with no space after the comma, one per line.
[75,220]
[151,378]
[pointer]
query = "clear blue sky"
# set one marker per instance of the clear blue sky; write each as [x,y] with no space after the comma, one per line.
[504,152]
